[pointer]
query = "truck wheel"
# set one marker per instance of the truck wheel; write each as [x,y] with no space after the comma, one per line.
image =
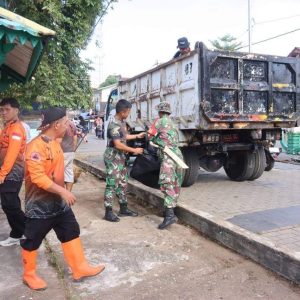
[259,163]
[239,165]
[270,161]
[270,166]
[192,160]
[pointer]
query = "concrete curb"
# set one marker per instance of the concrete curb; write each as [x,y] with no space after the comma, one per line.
[261,250]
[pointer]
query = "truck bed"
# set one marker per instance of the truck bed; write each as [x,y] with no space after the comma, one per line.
[210,89]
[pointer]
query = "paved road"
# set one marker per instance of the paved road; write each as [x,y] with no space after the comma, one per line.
[265,206]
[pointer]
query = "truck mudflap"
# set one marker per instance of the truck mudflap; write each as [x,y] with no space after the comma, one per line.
[243,87]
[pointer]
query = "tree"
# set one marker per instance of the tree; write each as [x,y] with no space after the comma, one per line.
[111,79]
[226,42]
[62,77]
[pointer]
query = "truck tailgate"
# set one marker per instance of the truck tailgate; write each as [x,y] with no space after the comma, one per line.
[242,87]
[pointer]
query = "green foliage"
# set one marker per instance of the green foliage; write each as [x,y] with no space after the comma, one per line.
[62,77]
[226,42]
[111,79]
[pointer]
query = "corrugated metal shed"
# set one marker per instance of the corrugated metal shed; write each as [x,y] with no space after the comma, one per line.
[22,43]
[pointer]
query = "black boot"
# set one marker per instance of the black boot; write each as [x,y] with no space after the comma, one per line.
[169,218]
[125,212]
[110,216]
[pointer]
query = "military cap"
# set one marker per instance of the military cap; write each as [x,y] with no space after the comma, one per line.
[164,107]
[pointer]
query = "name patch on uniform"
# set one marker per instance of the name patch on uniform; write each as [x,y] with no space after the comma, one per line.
[115,131]
[35,156]
[16,136]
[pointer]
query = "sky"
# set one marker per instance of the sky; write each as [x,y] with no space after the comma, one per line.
[137,34]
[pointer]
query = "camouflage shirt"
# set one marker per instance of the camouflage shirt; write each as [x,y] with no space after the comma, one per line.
[116,130]
[167,134]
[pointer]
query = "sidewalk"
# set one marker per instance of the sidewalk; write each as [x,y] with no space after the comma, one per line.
[285,157]
[11,285]
[288,158]
[255,218]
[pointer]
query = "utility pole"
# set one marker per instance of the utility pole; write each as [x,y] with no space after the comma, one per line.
[99,66]
[99,49]
[249,27]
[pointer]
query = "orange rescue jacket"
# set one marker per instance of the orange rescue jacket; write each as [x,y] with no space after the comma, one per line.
[12,147]
[44,165]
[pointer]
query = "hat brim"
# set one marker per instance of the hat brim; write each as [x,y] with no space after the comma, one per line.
[51,115]
[183,47]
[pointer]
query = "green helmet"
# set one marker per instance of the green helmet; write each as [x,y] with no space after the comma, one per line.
[164,107]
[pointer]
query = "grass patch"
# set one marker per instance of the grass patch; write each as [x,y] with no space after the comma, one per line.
[54,261]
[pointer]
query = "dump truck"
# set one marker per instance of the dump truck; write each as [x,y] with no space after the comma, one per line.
[229,107]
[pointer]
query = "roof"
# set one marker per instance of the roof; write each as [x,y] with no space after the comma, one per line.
[22,23]
[295,52]
[108,87]
[22,43]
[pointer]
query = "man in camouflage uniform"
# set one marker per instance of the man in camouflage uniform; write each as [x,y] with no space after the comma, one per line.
[115,162]
[170,176]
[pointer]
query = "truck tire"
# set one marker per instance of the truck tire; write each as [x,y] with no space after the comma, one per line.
[270,166]
[259,163]
[239,165]
[191,158]
[270,162]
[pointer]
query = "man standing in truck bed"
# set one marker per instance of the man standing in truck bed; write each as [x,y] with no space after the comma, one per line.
[12,147]
[183,46]
[170,175]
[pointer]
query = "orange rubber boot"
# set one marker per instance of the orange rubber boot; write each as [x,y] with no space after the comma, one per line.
[29,276]
[74,256]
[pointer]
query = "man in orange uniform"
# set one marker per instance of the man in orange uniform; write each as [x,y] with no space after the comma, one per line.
[12,147]
[47,202]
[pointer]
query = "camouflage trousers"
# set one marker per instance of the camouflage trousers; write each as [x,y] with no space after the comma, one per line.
[116,176]
[170,180]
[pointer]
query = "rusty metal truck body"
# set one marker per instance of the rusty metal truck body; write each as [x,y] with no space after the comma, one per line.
[229,107]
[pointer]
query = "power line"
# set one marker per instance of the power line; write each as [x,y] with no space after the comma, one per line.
[271,38]
[264,22]
[275,20]
[104,11]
